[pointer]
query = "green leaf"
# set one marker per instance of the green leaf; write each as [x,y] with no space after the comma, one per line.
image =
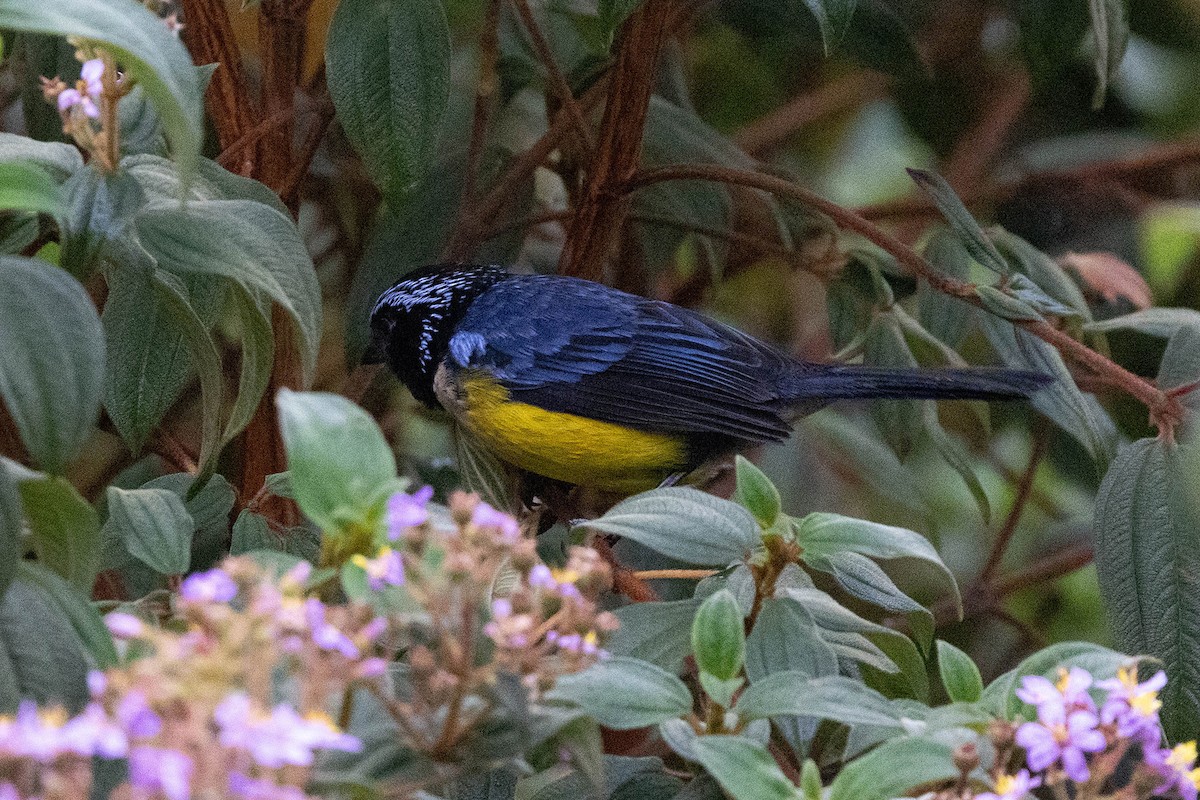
[1147,561]
[961,222]
[625,693]
[258,356]
[77,609]
[1044,271]
[893,768]
[900,421]
[1000,695]
[1110,34]
[341,466]
[154,526]
[868,458]
[959,674]
[946,317]
[249,243]
[28,187]
[148,53]
[209,509]
[718,636]
[40,656]
[11,522]
[59,159]
[1005,306]
[720,690]
[684,523]
[833,697]
[844,631]
[51,359]
[756,492]
[810,780]
[656,632]
[785,638]
[1180,365]
[1067,407]
[1163,322]
[743,768]
[169,290]
[823,533]
[389,73]
[148,359]
[99,209]
[833,18]
[65,530]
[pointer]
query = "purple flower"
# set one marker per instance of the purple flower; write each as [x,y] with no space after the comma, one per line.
[92,733]
[1134,706]
[34,734]
[540,577]
[86,92]
[1070,690]
[137,717]
[386,569]
[1062,736]
[326,635]
[97,682]
[91,73]
[485,516]
[406,511]
[1012,787]
[371,668]
[158,769]
[124,626]
[280,739]
[213,586]
[1177,766]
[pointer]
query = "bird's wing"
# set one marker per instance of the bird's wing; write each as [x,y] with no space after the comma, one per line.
[584,349]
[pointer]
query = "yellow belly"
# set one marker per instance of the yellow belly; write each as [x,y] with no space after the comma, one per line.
[565,446]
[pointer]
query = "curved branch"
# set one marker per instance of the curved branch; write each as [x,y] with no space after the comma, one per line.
[1165,411]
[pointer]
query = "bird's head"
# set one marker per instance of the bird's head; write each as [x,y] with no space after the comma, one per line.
[412,322]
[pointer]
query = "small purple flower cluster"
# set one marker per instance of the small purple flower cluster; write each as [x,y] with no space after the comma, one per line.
[200,698]
[553,613]
[1074,742]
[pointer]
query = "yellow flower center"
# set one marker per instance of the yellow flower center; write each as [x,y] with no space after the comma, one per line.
[1128,676]
[1005,784]
[1145,703]
[1183,756]
[323,719]
[1064,678]
[564,575]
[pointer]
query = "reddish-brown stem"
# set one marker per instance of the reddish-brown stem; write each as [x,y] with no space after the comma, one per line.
[211,40]
[840,94]
[596,226]
[1024,490]
[625,581]
[308,149]
[473,227]
[485,93]
[1165,411]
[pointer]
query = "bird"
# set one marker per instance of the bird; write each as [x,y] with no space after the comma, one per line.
[585,384]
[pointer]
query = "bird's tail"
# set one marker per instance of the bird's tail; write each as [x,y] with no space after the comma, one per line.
[813,383]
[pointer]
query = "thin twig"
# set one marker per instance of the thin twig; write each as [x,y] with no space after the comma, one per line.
[308,149]
[1024,490]
[840,94]
[674,574]
[1165,411]
[485,92]
[558,82]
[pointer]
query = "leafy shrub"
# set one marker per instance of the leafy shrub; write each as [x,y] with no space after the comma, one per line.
[216,584]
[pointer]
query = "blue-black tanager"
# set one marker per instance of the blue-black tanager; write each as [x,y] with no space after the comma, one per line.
[582,383]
